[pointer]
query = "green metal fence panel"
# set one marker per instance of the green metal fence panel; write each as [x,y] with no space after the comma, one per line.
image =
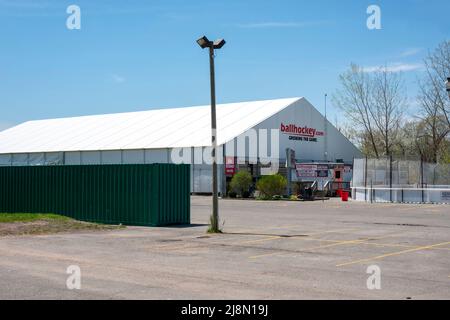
[142,195]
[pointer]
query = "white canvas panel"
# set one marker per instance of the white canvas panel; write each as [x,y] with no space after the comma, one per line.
[20,159]
[151,129]
[36,159]
[54,158]
[321,141]
[133,156]
[72,158]
[5,159]
[157,156]
[111,157]
[90,157]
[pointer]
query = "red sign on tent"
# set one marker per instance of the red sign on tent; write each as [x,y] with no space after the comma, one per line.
[230,166]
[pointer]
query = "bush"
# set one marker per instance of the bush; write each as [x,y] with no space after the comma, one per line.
[270,186]
[297,188]
[241,182]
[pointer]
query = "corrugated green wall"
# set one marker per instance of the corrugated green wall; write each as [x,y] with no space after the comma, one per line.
[141,195]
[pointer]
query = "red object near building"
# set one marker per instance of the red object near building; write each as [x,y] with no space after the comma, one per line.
[230,166]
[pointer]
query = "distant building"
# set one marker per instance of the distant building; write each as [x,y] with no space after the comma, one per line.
[151,136]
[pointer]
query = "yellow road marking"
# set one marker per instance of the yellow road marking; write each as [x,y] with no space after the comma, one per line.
[393,254]
[332,231]
[369,243]
[275,237]
[399,246]
[338,244]
[259,240]
[307,249]
[346,242]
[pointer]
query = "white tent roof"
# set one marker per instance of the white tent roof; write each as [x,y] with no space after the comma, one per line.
[152,129]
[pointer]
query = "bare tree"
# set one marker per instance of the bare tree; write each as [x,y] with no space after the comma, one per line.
[430,137]
[355,98]
[374,103]
[434,125]
[437,71]
[390,103]
[406,145]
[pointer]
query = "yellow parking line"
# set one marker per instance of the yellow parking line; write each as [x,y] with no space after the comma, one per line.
[317,239]
[259,240]
[400,246]
[367,243]
[338,244]
[275,237]
[387,245]
[393,254]
[332,231]
[313,248]
[265,255]
[345,242]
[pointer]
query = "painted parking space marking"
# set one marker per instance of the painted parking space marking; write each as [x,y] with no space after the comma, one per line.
[333,231]
[341,243]
[285,227]
[393,245]
[259,240]
[356,241]
[277,237]
[392,254]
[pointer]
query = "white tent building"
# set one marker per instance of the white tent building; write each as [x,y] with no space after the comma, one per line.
[152,136]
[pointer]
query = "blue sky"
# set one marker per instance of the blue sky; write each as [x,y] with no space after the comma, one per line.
[137,55]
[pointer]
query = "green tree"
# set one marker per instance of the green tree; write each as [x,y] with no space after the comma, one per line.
[241,182]
[272,185]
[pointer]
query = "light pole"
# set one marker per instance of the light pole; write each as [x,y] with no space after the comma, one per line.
[204,43]
[447,85]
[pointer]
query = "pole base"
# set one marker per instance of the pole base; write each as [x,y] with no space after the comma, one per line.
[213,225]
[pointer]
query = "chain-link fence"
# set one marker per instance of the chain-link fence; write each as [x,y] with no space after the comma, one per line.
[395,180]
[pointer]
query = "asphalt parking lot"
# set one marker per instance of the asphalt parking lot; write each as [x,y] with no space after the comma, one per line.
[269,250]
